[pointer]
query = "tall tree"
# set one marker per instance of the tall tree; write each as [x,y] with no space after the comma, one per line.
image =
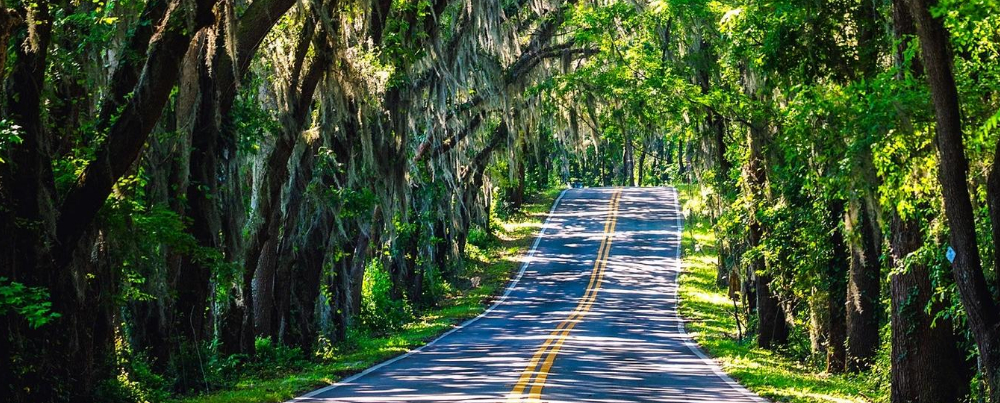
[980,307]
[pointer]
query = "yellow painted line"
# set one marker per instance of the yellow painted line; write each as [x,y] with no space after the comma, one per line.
[543,374]
[559,335]
[529,371]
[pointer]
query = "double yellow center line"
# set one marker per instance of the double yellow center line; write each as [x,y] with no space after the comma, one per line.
[546,354]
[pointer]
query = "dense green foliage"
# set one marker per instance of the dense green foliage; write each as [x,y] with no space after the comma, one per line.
[786,375]
[193,190]
[813,127]
[491,266]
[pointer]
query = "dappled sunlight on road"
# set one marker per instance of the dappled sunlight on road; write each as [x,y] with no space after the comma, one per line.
[626,347]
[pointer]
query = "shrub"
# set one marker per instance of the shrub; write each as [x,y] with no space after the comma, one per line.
[481,238]
[135,381]
[380,313]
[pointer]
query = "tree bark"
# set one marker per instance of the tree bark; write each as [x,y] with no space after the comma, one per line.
[215,194]
[864,286]
[26,221]
[927,364]
[772,326]
[981,309]
[642,167]
[629,163]
[993,203]
[861,222]
[681,169]
[262,248]
[836,280]
[127,136]
[205,221]
[773,329]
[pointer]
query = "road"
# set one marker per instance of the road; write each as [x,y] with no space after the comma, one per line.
[591,318]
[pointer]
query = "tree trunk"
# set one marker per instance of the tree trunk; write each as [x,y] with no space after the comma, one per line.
[681,170]
[262,253]
[250,28]
[723,188]
[517,198]
[603,165]
[861,221]
[132,126]
[836,280]
[642,167]
[215,194]
[819,322]
[263,286]
[772,327]
[981,309]
[993,201]
[292,235]
[193,277]
[628,164]
[27,219]
[307,275]
[927,364]
[864,286]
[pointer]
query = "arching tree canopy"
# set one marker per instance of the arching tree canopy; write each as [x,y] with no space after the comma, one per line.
[182,179]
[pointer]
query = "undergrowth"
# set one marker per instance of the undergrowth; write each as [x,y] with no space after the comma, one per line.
[789,374]
[385,328]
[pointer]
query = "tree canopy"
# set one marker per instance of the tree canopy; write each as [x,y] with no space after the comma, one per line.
[182,179]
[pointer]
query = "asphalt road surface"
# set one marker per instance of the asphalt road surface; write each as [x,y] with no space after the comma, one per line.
[591,318]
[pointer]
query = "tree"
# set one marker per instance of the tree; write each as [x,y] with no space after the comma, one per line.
[980,307]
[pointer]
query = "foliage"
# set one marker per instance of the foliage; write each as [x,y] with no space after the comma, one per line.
[31,303]
[380,313]
[136,381]
[9,136]
[777,375]
[276,159]
[493,267]
[482,238]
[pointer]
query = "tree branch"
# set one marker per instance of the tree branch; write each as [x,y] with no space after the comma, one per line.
[128,134]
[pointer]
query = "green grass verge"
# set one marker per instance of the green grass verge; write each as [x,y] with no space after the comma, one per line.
[491,267]
[709,311]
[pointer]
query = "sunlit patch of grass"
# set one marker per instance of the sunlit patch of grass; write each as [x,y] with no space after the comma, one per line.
[710,320]
[494,266]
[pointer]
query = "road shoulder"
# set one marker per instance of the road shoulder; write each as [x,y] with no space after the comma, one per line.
[708,314]
[495,265]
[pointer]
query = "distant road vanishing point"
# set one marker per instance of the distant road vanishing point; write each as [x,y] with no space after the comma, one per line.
[591,318]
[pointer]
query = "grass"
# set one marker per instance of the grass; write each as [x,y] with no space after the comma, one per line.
[709,311]
[772,375]
[489,268]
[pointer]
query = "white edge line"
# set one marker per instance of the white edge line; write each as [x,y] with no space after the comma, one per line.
[688,339]
[503,298]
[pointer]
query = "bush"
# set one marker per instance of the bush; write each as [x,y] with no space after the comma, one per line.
[380,313]
[274,358]
[135,382]
[879,379]
[481,238]
[503,204]
[271,360]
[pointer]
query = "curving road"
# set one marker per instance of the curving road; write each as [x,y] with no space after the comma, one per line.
[591,318]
